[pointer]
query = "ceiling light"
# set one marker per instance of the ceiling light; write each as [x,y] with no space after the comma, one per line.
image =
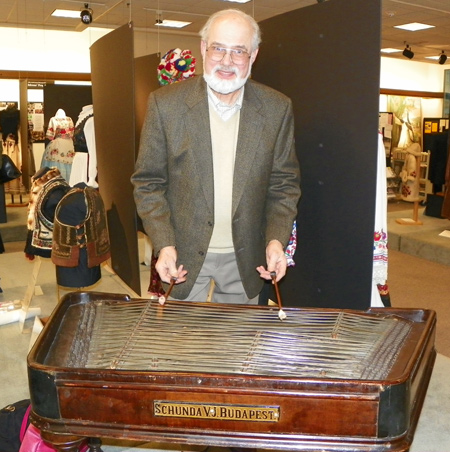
[414,26]
[408,53]
[390,50]
[86,14]
[237,1]
[66,13]
[171,23]
[442,58]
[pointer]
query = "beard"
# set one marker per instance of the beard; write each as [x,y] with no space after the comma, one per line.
[225,86]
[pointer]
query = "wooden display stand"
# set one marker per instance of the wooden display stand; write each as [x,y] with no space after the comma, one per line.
[414,221]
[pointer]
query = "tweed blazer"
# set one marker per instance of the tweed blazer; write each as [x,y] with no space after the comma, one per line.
[173,178]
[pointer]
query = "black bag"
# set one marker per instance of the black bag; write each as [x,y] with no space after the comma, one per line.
[11,418]
[8,170]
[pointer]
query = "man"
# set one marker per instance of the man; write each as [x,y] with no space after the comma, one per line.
[217,179]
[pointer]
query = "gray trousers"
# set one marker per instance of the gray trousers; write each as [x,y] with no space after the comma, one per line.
[223,271]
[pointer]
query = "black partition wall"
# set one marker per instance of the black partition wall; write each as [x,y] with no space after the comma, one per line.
[71,98]
[326,57]
[121,85]
[112,67]
[145,81]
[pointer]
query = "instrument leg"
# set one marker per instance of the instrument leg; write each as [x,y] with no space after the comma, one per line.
[95,445]
[62,442]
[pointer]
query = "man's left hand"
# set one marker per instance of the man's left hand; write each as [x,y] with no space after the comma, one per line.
[276,261]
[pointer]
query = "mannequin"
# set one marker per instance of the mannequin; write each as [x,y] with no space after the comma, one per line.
[410,176]
[80,239]
[84,166]
[59,152]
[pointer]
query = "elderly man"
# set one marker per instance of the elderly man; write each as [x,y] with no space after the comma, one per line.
[216,182]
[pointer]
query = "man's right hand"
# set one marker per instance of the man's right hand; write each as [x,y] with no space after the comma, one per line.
[166,266]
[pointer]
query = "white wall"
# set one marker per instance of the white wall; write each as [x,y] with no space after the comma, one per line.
[41,50]
[412,75]
[47,50]
[65,51]
[9,90]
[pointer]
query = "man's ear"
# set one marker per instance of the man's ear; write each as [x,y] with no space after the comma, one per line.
[254,54]
[203,48]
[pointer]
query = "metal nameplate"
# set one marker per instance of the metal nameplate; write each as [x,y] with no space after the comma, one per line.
[213,411]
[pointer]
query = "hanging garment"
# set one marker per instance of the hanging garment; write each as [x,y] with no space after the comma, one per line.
[409,175]
[80,239]
[380,241]
[9,123]
[47,189]
[60,151]
[80,222]
[84,166]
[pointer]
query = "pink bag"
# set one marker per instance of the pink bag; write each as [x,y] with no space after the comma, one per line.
[31,438]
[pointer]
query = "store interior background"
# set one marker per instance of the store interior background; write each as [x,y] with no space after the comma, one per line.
[33,50]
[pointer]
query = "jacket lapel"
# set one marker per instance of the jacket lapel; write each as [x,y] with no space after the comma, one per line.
[198,128]
[251,124]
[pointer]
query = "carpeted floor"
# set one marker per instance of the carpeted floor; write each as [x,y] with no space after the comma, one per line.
[419,283]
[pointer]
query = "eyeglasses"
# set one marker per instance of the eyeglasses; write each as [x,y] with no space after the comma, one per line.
[238,56]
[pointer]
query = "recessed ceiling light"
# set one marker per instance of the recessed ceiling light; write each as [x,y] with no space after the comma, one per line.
[390,50]
[171,23]
[237,1]
[73,14]
[414,26]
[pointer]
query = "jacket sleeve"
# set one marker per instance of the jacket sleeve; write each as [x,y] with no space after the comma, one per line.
[284,188]
[150,180]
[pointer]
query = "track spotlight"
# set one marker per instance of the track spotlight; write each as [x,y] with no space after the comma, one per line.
[408,53]
[442,58]
[86,14]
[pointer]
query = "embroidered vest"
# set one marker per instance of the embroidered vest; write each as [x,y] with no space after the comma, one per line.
[42,235]
[79,138]
[90,233]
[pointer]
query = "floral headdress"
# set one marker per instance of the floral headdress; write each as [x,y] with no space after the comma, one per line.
[176,65]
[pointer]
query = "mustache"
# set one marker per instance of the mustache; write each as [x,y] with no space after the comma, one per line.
[226,69]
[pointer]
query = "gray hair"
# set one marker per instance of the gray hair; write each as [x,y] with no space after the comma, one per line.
[204,32]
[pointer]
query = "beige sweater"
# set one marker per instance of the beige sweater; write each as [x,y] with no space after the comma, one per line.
[224,141]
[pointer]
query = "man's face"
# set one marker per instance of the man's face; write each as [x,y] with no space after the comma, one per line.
[231,32]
